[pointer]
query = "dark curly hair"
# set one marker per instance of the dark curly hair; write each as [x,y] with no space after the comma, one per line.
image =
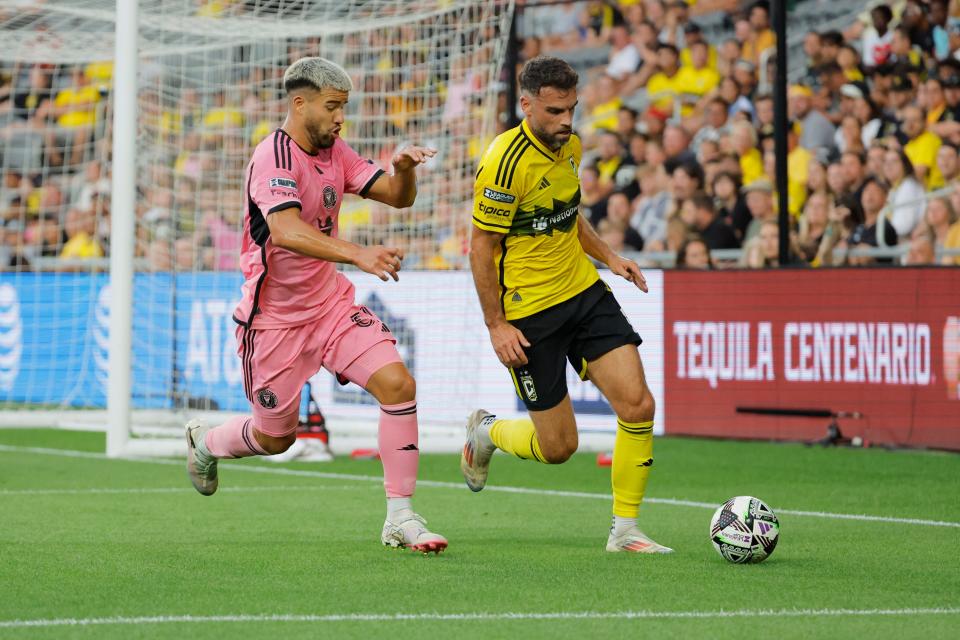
[547,71]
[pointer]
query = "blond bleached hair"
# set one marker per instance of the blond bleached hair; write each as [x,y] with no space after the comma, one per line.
[316,73]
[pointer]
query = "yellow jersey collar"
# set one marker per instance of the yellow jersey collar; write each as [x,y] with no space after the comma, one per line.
[528,134]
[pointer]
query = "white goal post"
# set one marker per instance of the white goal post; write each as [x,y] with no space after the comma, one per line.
[136,120]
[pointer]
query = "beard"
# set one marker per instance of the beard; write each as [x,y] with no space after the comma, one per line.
[320,139]
[553,141]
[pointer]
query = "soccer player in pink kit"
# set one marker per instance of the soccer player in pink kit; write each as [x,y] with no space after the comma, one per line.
[298,312]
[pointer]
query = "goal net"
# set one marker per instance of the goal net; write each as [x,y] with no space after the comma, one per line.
[208,90]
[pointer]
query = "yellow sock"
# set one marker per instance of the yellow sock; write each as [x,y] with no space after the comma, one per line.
[632,459]
[518,437]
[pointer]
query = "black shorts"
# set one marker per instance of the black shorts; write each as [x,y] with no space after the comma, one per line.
[580,330]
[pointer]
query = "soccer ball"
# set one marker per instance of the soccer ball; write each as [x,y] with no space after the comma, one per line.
[744,529]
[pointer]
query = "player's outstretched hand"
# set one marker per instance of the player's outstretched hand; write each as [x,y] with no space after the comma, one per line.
[410,156]
[383,262]
[629,270]
[508,342]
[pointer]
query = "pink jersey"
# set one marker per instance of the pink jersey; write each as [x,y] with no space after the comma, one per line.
[282,288]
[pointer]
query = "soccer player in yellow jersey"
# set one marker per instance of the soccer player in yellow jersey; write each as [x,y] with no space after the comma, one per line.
[544,302]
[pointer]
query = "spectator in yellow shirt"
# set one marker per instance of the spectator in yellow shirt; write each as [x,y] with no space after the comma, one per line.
[75,105]
[81,241]
[662,86]
[75,108]
[222,115]
[692,35]
[762,36]
[696,80]
[604,114]
[744,140]
[921,147]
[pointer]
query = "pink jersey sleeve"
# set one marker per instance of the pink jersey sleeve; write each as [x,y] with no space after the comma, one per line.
[273,185]
[359,174]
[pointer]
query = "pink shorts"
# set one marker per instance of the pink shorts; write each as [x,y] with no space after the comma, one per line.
[348,341]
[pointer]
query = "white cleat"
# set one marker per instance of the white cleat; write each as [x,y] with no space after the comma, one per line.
[635,541]
[202,469]
[477,451]
[412,533]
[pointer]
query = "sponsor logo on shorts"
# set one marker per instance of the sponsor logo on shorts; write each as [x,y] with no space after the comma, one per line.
[285,183]
[498,196]
[329,197]
[267,398]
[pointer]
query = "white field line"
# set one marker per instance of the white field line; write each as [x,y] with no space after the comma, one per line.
[304,473]
[160,490]
[480,616]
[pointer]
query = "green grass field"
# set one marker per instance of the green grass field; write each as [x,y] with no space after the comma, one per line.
[97,548]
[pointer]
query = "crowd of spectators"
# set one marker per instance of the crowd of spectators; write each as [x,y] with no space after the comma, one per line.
[677,127]
[200,116]
[678,130]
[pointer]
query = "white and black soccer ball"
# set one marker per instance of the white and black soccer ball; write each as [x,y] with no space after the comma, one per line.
[744,529]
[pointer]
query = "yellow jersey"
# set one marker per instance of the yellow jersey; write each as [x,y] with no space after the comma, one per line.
[922,151]
[531,195]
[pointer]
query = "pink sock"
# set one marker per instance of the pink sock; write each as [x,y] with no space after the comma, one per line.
[398,448]
[234,439]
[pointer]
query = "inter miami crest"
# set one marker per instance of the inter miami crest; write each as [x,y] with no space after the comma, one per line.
[329,197]
[267,398]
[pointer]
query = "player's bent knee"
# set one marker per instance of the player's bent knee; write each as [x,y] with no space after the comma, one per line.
[396,387]
[276,444]
[558,453]
[639,409]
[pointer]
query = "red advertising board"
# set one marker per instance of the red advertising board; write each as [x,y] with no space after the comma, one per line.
[882,342]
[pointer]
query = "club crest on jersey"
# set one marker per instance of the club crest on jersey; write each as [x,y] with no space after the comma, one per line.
[329,197]
[285,183]
[267,398]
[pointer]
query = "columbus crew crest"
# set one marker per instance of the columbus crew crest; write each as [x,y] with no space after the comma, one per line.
[267,398]
[329,197]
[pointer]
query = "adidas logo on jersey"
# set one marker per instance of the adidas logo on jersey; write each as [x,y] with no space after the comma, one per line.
[516,297]
[544,183]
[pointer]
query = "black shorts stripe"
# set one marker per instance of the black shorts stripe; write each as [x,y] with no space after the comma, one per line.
[247,363]
[249,336]
[243,360]
[503,158]
[276,148]
[516,163]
